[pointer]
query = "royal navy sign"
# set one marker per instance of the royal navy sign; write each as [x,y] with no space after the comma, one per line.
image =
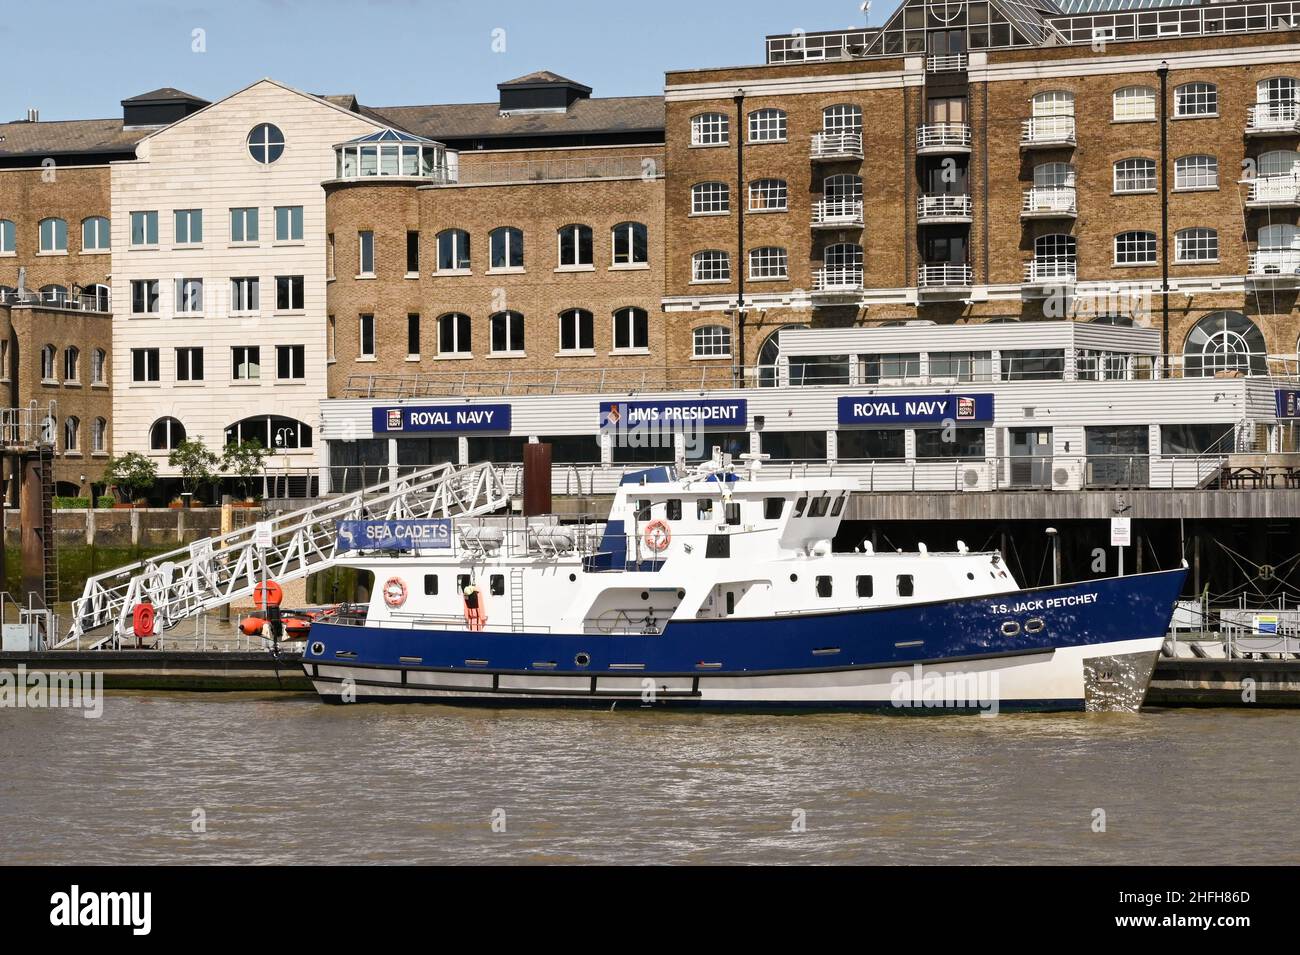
[441,418]
[916,409]
[675,415]
[1288,403]
[432,534]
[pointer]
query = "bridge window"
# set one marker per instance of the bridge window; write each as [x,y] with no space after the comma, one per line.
[799,506]
[906,587]
[820,506]
[773,507]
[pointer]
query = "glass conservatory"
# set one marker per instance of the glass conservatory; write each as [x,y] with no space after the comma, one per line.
[390,152]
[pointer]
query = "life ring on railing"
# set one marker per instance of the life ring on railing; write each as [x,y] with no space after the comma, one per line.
[395,591]
[658,536]
[142,620]
[268,594]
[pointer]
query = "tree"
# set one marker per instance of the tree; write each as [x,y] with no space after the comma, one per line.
[198,465]
[245,461]
[132,475]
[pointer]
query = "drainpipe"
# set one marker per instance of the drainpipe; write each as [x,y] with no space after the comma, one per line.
[738,362]
[1163,73]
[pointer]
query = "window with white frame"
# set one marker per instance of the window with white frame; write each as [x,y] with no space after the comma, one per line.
[768,195]
[243,224]
[245,294]
[94,235]
[366,336]
[1196,99]
[71,434]
[842,191]
[1196,172]
[710,129]
[631,243]
[1134,103]
[189,364]
[506,248]
[1196,245]
[53,235]
[265,143]
[1052,103]
[1278,162]
[843,257]
[711,265]
[1135,248]
[507,333]
[99,436]
[144,297]
[1135,175]
[166,434]
[144,364]
[453,334]
[187,226]
[710,198]
[289,293]
[365,253]
[577,330]
[288,223]
[48,356]
[8,237]
[575,246]
[71,363]
[1279,93]
[144,228]
[631,329]
[711,341]
[290,362]
[767,126]
[768,262]
[189,296]
[453,250]
[246,362]
[98,365]
[842,118]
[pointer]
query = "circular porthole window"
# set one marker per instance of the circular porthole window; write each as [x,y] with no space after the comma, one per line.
[582,659]
[265,143]
[317,648]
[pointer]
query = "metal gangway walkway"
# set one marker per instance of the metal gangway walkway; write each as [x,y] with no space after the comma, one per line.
[215,571]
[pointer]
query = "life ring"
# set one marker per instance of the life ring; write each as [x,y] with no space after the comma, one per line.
[142,620]
[395,592]
[268,594]
[657,536]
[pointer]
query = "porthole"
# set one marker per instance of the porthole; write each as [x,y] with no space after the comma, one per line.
[1010,628]
[645,595]
[969,575]
[1034,625]
[572,577]
[681,594]
[317,648]
[582,658]
[265,143]
[794,578]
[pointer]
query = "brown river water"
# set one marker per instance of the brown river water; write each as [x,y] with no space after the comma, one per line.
[284,779]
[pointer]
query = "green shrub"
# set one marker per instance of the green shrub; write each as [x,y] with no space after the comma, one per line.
[71,503]
[105,500]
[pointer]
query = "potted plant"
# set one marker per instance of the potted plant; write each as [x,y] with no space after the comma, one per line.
[198,465]
[245,461]
[132,475]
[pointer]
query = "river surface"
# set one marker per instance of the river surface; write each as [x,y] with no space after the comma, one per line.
[284,779]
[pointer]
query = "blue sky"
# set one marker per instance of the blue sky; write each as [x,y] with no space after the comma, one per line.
[78,58]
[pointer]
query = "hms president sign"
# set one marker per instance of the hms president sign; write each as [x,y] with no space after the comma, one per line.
[441,418]
[916,409]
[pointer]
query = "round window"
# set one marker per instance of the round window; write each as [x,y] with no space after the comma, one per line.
[266,143]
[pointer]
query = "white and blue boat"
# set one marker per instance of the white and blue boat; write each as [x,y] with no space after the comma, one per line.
[717,589]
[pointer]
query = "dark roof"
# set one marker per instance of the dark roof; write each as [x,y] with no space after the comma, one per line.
[614,114]
[71,136]
[165,94]
[543,78]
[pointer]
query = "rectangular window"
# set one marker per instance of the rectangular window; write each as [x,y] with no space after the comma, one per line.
[497,584]
[1196,172]
[431,585]
[577,331]
[773,507]
[288,223]
[1033,364]
[1196,438]
[366,244]
[189,364]
[1135,103]
[768,195]
[767,126]
[710,198]
[768,263]
[895,366]
[366,332]
[1135,175]
[243,225]
[453,335]
[1196,245]
[245,363]
[412,336]
[630,244]
[144,364]
[631,329]
[1196,99]
[329,255]
[709,129]
[906,586]
[866,444]
[144,297]
[960,443]
[244,295]
[189,296]
[412,253]
[704,509]
[824,588]
[575,246]
[1135,248]
[795,445]
[290,362]
[144,228]
[673,509]
[289,293]
[189,226]
[962,366]
[866,585]
[731,512]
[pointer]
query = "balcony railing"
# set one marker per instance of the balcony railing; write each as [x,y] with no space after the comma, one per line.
[82,302]
[837,212]
[833,45]
[940,137]
[1049,202]
[1280,263]
[946,63]
[552,170]
[1272,119]
[944,275]
[1268,191]
[837,146]
[1047,131]
[943,208]
[1051,268]
[838,279]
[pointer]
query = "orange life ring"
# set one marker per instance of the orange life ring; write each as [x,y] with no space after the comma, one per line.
[395,591]
[657,536]
[142,620]
[267,594]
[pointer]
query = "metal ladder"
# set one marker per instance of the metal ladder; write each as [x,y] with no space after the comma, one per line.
[215,571]
[49,549]
[517,599]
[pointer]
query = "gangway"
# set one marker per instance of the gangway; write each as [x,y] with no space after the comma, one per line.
[215,571]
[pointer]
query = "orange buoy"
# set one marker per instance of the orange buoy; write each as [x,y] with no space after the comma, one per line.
[268,594]
[142,619]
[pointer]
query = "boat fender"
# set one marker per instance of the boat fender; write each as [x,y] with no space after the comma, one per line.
[268,594]
[658,536]
[395,591]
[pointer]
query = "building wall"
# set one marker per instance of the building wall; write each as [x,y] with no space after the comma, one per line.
[73,194]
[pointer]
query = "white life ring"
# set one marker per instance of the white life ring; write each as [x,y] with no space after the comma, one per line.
[658,536]
[395,592]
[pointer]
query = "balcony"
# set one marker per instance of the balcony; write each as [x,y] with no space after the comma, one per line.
[838,282]
[831,147]
[837,214]
[1047,132]
[936,210]
[947,63]
[82,302]
[944,279]
[1051,271]
[938,138]
[1056,202]
[1276,268]
[1274,192]
[1273,119]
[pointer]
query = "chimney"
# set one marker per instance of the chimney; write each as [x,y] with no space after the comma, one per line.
[33,114]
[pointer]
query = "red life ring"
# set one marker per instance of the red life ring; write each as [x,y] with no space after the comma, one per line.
[142,620]
[395,591]
[268,594]
[658,536]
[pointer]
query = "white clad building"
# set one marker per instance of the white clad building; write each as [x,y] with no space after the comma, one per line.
[219,260]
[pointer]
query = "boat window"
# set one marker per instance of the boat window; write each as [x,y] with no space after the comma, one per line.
[673,509]
[718,545]
[823,586]
[704,509]
[497,584]
[905,586]
[430,585]
[799,505]
[866,585]
[773,507]
[731,603]
[642,509]
[733,512]
[462,581]
[819,506]
[838,506]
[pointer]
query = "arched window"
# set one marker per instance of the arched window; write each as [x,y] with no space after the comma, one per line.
[99,436]
[1134,103]
[1055,246]
[1196,172]
[1196,99]
[54,235]
[1278,92]
[842,118]
[270,431]
[166,434]
[1135,248]
[1280,236]
[94,234]
[1278,250]
[71,433]
[769,352]
[1052,103]
[1224,341]
[453,250]
[48,354]
[577,330]
[768,262]
[767,126]
[842,188]
[711,265]
[506,248]
[54,295]
[631,244]
[506,330]
[71,363]
[1196,245]
[710,198]
[1054,175]
[1278,162]
[575,246]
[843,255]
[710,129]
[631,329]
[1123,321]
[98,366]
[768,195]
[1135,175]
[711,341]
[8,237]
[95,297]
[454,334]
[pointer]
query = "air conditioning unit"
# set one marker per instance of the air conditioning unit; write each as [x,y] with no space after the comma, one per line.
[970,479]
[1060,477]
